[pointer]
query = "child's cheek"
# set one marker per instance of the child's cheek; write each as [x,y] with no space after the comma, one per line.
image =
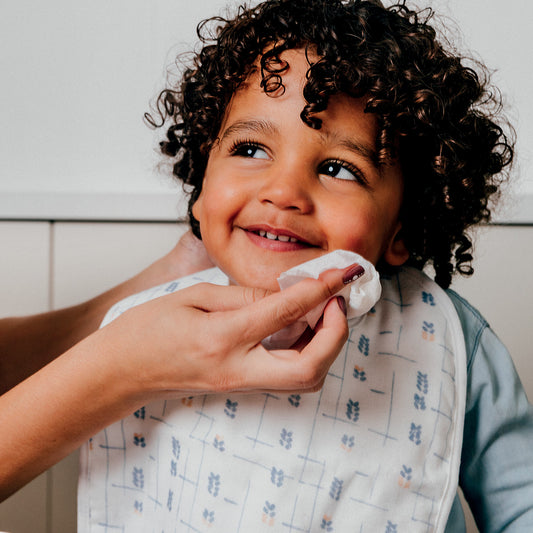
[360,246]
[353,233]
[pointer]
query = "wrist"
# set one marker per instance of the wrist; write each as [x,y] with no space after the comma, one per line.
[115,370]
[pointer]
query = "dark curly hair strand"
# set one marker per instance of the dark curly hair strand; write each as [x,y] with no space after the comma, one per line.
[433,113]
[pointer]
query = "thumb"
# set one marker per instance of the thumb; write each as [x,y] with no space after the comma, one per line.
[280,309]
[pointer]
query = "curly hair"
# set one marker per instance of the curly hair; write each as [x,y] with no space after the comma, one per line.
[435,116]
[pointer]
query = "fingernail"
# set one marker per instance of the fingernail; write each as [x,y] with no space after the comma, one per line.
[342,304]
[352,273]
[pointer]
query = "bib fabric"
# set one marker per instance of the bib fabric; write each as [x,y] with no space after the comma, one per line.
[377,450]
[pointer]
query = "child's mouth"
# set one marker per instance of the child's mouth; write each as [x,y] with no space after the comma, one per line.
[273,237]
[279,240]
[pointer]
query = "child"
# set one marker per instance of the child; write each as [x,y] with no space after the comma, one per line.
[304,128]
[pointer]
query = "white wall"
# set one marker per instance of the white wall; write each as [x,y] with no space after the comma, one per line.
[77,79]
[499,34]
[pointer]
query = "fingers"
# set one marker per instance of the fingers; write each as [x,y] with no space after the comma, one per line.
[212,340]
[330,336]
[320,353]
[213,298]
[238,319]
[298,371]
[278,310]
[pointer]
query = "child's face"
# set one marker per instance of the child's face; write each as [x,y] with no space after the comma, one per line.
[277,193]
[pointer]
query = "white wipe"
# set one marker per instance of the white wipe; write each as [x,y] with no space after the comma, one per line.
[360,296]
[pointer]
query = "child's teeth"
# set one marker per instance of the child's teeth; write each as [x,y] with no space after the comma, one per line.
[272,236]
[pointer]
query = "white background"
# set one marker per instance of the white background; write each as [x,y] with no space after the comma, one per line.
[77,78]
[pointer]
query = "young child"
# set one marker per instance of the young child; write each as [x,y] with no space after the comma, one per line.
[302,128]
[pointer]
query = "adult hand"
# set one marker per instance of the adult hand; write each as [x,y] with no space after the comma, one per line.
[202,339]
[208,338]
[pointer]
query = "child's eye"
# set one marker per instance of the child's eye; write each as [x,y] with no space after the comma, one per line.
[250,150]
[342,171]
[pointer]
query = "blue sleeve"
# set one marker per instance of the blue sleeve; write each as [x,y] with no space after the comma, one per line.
[497,458]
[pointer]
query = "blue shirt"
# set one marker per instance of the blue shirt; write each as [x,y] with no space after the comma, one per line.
[496,473]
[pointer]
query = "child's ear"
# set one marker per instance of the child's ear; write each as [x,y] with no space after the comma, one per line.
[396,253]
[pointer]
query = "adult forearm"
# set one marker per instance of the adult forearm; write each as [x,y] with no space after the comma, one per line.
[54,411]
[29,343]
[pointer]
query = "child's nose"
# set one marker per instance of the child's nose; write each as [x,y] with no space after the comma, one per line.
[287,189]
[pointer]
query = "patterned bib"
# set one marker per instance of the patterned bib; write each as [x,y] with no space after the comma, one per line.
[377,450]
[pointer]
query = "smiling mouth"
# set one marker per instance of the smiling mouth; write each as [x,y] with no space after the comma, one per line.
[278,240]
[274,237]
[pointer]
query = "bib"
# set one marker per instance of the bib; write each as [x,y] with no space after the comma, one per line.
[377,450]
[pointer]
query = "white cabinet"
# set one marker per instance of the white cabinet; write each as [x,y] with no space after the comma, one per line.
[24,267]
[90,258]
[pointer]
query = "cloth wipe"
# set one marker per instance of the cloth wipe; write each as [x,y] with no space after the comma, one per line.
[361,295]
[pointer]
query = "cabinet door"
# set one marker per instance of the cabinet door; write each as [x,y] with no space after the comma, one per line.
[24,268]
[90,258]
[24,289]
